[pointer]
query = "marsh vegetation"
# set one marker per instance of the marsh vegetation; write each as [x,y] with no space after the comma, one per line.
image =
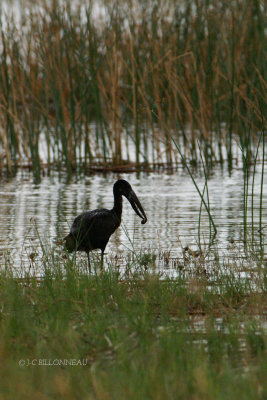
[136,335]
[80,87]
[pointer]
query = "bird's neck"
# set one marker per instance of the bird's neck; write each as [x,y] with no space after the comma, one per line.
[117,208]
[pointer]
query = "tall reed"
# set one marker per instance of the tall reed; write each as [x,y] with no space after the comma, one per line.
[79,84]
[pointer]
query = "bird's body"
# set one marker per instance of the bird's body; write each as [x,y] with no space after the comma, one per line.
[91,230]
[86,233]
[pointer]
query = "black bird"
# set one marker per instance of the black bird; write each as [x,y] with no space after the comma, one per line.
[92,230]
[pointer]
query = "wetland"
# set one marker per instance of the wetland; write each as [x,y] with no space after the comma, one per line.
[170,96]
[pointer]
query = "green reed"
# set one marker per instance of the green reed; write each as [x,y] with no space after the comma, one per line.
[261,192]
[205,189]
[253,184]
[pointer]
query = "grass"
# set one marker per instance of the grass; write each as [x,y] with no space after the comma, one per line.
[82,87]
[138,337]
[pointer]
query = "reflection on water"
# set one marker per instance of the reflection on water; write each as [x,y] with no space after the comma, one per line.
[170,200]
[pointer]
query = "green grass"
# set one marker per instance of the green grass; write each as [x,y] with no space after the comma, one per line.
[144,337]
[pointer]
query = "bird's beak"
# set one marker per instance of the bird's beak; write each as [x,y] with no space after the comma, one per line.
[135,203]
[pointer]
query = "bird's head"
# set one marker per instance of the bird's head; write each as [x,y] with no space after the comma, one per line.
[124,188]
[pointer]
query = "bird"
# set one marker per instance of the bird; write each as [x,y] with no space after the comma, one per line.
[92,229]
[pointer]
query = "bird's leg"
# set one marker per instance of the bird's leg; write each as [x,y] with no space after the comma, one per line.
[89,264]
[102,259]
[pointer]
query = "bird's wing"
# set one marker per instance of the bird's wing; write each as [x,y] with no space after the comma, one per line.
[100,220]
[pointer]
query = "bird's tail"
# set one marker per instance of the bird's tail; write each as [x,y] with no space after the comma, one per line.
[70,242]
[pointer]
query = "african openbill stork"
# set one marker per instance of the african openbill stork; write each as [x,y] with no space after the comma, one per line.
[92,230]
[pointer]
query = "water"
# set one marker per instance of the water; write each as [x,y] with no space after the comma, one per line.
[31,214]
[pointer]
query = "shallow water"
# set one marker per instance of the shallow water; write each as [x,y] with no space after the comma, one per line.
[30,214]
